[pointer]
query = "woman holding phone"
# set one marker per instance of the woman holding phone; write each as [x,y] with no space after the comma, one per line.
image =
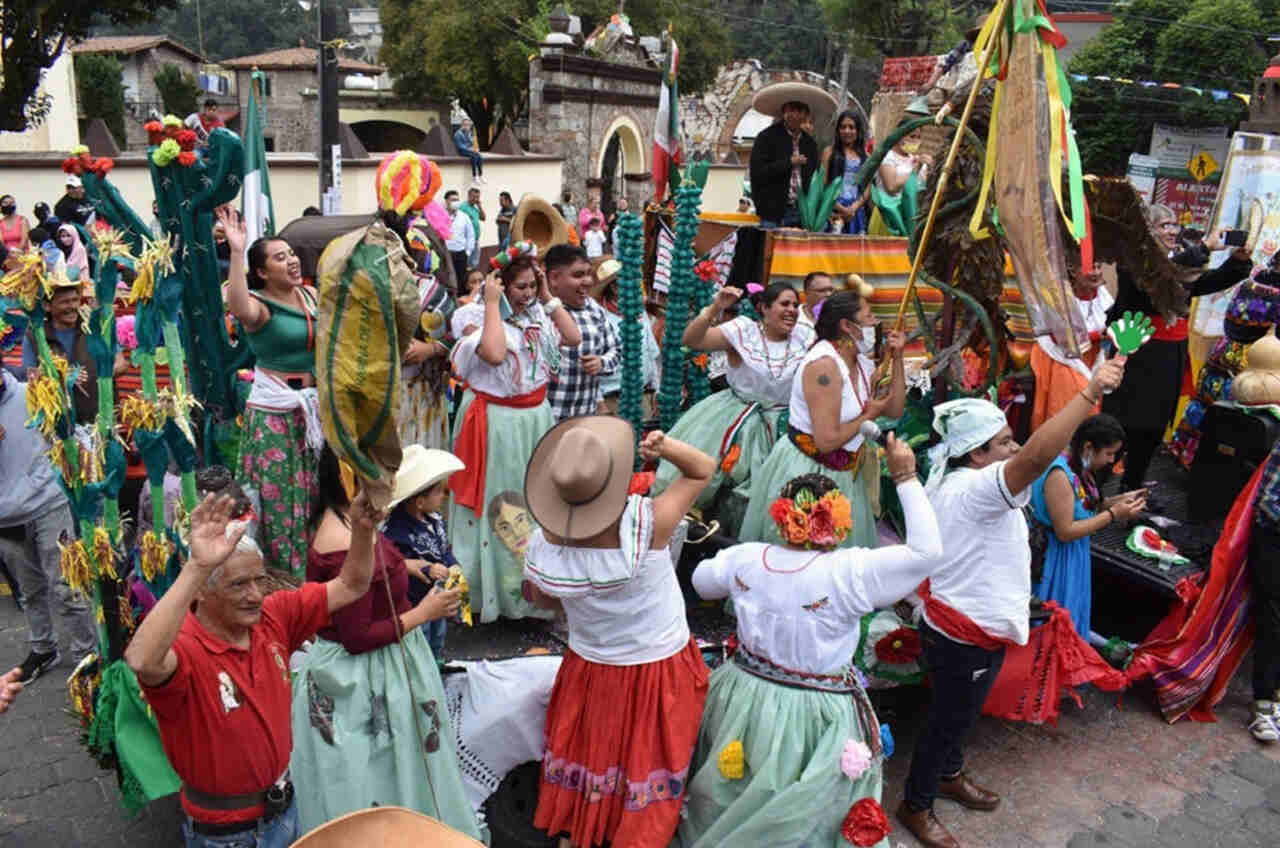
[282,434]
[510,347]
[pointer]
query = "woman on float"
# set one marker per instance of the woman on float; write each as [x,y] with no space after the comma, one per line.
[369,716]
[282,434]
[785,755]
[842,161]
[506,359]
[627,701]
[738,426]
[831,396]
[902,174]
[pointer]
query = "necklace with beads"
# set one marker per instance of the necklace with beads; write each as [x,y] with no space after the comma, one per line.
[768,357]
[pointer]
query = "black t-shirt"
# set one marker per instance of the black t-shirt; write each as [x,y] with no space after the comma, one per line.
[70,209]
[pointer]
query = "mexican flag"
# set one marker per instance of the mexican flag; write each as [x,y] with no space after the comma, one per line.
[259,217]
[666,129]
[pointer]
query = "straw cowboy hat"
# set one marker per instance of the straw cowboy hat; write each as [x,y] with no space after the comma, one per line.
[386,827]
[421,468]
[770,100]
[579,474]
[538,221]
[606,272]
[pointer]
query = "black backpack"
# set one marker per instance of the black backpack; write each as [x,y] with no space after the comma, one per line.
[1233,443]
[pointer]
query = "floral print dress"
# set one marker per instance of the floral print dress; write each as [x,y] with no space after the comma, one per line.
[275,460]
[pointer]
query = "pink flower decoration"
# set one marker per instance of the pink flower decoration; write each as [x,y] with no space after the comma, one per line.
[855,759]
[270,491]
[276,425]
[754,288]
[126,335]
[275,455]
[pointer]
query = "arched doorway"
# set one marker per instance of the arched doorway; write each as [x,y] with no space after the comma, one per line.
[385,136]
[621,154]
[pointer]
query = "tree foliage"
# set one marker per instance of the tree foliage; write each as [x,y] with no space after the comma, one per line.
[443,49]
[100,90]
[1210,44]
[788,34]
[234,28]
[904,27]
[34,34]
[179,90]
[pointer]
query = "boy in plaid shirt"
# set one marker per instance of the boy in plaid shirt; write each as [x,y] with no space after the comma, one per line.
[576,390]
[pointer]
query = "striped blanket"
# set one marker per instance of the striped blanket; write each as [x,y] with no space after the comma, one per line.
[884,264]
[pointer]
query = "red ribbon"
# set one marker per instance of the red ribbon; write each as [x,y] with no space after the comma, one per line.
[472,445]
[956,624]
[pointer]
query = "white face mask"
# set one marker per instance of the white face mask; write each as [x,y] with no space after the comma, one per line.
[453,205]
[867,343]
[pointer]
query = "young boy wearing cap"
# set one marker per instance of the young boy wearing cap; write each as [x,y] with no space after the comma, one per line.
[417,527]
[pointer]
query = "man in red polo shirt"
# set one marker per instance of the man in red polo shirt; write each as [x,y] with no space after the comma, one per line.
[213,660]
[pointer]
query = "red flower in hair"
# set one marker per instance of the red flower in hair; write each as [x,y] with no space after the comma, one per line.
[780,509]
[186,158]
[866,824]
[899,647]
[706,270]
[187,139]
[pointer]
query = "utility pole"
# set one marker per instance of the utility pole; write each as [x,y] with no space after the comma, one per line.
[844,75]
[327,59]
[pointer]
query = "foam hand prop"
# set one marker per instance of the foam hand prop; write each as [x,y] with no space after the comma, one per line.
[1130,332]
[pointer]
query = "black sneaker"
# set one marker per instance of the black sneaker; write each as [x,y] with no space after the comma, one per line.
[37,664]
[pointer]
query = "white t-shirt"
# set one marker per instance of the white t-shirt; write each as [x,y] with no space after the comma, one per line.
[800,609]
[985,569]
[593,241]
[623,604]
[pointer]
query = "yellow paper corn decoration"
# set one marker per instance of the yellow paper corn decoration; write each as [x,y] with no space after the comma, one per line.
[76,568]
[732,761]
[457,580]
[154,555]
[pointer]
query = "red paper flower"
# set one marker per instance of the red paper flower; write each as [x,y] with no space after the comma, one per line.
[780,509]
[186,158]
[866,824]
[103,165]
[706,270]
[187,139]
[899,647]
[641,482]
[822,525]
[701,361]
[155,132]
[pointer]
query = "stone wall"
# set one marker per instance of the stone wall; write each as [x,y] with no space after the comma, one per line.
[140,77]
[292,116]
[574,100]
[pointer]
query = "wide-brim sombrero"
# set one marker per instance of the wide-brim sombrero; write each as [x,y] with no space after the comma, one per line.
[537,221]
[580,474]
[770,100]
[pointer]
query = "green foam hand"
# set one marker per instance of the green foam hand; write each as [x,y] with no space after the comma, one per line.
[1130,332]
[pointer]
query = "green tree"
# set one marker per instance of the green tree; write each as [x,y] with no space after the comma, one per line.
[178,89]
[34,34]
[904,27]
[1210,44]
[100,90]
[789,34]
[444,49]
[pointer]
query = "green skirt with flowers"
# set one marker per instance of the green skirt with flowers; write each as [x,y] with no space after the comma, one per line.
[490,545]
[276,462]
[785,463]
[706,426]
[792,791]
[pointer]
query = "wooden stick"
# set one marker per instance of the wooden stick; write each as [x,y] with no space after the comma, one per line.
[945,177]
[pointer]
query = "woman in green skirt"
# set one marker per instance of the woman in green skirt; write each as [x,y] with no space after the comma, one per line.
[369,715]
[790,752]
[739,425]
[506,359]
[831,396]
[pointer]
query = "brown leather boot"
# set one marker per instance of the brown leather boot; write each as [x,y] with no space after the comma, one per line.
[965,792]
[926,828]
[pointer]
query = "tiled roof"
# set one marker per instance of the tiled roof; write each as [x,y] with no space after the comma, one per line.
[132,44]
[295,58]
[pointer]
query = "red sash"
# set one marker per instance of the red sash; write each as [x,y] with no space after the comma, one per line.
[1166,332]
[472,444]
[951,622]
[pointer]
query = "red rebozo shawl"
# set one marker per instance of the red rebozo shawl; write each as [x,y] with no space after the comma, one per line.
[1193,653]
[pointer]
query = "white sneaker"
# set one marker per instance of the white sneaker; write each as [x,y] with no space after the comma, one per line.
[1265,726]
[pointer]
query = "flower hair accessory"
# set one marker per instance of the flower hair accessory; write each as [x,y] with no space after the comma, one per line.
[754,288]
[812,521]
[512,253]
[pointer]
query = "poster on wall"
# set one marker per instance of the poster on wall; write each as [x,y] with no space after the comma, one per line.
[1142,174]
[1175,147]
[1191,201]
[1248,199]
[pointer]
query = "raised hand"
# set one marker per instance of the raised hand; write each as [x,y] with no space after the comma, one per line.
[1108,377]
[897,341]
[211,542]
[727,297]
[364,518]
[651,445]
[1130,332]
[233,225]
[899,456]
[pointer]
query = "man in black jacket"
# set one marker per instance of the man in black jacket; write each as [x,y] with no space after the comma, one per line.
[72,207]
[783,158]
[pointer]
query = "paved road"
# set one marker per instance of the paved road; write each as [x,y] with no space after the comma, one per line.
[1110,775]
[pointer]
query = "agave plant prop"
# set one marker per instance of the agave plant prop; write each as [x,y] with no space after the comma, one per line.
[817,201]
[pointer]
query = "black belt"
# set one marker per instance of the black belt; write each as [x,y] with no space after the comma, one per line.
[274,800]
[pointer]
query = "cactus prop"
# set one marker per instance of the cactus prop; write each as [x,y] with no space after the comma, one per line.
[630,236]
[699,382]
[679,297]
[189,185]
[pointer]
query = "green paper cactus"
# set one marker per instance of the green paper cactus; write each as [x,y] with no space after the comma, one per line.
[630,248]
[675,361]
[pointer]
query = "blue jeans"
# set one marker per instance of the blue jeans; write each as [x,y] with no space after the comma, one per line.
[790,218]
[477,166]
[280,832]
[434,631]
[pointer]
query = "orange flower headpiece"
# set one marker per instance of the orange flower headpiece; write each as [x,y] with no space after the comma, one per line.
[812,521]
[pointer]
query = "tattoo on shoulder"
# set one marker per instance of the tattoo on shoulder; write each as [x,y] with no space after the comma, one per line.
[824,380]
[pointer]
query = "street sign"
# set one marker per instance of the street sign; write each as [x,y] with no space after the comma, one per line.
[1203,166]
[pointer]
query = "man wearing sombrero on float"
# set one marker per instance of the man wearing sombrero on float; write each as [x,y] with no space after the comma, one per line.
[784,156]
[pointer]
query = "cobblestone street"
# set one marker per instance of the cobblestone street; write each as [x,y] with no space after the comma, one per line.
[1112,774]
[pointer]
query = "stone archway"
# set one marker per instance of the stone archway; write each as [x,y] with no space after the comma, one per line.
[621,155]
